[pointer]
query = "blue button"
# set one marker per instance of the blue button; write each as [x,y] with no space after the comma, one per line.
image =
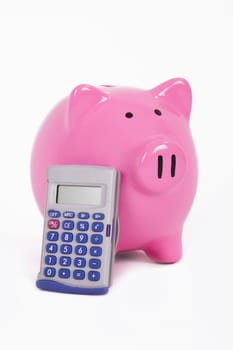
[83,226]
[95,263]
[68,225]
[80,250]
[79,262]
[97,226]
[93,276]
[54,213]
[64,273]
[98,216]
[79,274]
[82,238]
[96,251]
[67,237]
[49,272]
[66,249]
[69,214]
[65,261]
[52,236]
[50,260]
[96,239]
[83,215]
[51,248]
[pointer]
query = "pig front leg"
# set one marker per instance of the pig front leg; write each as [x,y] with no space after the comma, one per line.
[166,249]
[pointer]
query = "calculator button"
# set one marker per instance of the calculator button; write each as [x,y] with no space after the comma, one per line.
[51,248]
[67,237]
[52,236]
[97,226]
[68,225]
[98,216]
[54,213]
[81,238]
[69,214]
[93,276]
[94,263]
[54,224]
[65,261]
[83,215]
[79,274]
[50,260]
[64,273]
[49,272]
[80,250]
[83,226]
[96,239]
[66,249]
[79,262]
[96,251]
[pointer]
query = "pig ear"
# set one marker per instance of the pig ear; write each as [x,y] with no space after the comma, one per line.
[176,95]
[82,99]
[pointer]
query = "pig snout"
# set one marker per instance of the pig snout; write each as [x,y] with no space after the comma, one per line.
[161,165]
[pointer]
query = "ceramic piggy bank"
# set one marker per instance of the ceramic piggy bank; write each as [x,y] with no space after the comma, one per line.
[145,134]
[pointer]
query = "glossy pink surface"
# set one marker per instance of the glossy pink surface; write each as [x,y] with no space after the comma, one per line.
[154,153]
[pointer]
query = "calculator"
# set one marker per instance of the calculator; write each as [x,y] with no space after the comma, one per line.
[80,229]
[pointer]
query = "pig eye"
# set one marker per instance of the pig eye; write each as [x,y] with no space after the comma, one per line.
[128,115]
[158,112]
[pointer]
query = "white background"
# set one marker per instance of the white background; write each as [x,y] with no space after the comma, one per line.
[48,47]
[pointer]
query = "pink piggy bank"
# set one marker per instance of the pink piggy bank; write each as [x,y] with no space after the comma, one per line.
[145,134]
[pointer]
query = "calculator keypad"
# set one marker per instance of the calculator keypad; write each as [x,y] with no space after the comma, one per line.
[73,245]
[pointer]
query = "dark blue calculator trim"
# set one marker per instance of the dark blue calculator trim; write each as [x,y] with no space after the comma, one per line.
[59,287]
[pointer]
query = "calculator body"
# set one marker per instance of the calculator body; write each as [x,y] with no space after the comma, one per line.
[80,229]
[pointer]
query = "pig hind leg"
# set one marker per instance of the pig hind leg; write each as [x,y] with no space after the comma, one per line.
[166,249]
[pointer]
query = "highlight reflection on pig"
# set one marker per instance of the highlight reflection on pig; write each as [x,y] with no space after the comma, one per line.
[145,134]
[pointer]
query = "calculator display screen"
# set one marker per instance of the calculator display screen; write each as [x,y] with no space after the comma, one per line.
[79,195]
